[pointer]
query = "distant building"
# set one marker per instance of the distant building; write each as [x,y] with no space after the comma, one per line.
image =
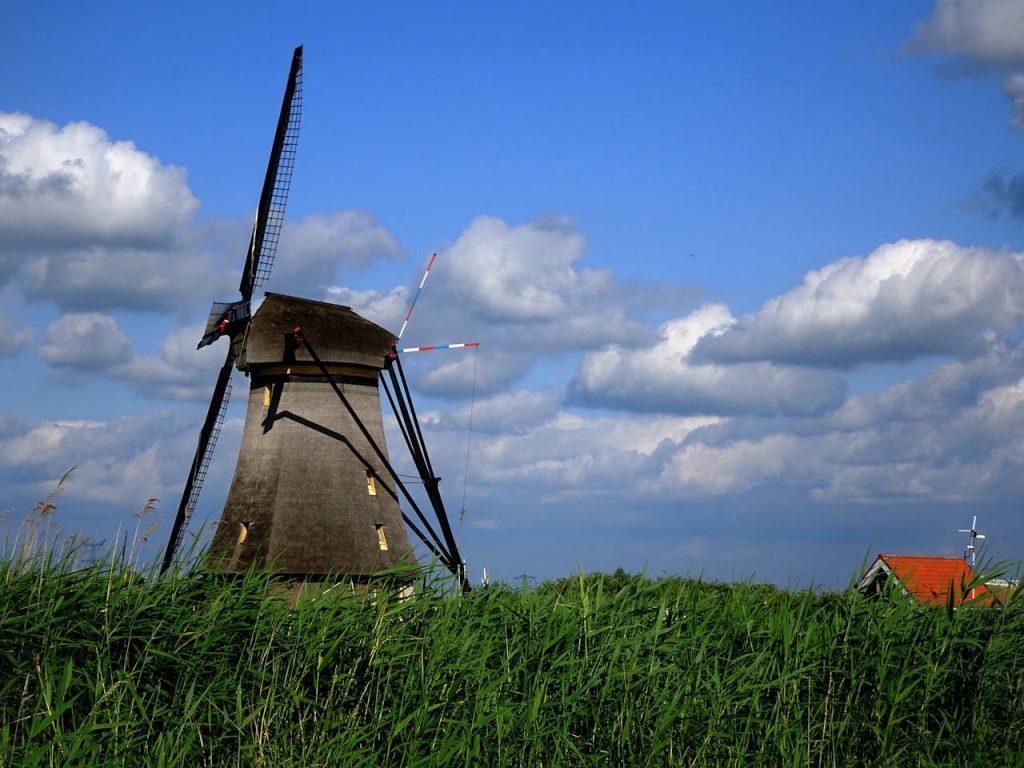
[926,580]
[1003,590]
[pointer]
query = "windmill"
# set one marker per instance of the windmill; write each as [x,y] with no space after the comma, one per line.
[971,550]
[314,491]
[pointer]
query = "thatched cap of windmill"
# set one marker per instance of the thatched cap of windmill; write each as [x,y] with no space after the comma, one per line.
[343,337]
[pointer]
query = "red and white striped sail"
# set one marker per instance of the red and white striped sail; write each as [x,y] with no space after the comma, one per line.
[423,282]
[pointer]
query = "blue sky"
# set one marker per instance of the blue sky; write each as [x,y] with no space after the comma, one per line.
[747,278]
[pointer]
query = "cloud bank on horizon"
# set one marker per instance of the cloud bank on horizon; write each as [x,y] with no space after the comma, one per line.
[590,390]
[734,402]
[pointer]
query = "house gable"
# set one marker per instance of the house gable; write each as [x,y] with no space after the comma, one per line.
[926,580]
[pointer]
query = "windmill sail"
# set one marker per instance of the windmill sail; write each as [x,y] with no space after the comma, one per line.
[201,463]
[266,230]
[232,319]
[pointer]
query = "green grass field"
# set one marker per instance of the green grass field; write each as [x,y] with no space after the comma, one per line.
[103,666]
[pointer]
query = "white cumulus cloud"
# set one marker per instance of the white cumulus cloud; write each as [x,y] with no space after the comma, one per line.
[86,341]
[909,299]
[522,292]
[73,185]
[664,377]
[13,337]
[526,445]
[121,462]
[525,286]
[315,251]
[386,308]
[42,443]
[93,343]
[179,371]
[105,278]
[985,33]
[523,273]
[698,469]
[95,224]
[990,30]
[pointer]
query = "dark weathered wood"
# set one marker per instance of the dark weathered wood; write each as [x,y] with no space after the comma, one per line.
[299,503]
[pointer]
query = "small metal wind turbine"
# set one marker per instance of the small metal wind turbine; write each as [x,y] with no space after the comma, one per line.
[971,550]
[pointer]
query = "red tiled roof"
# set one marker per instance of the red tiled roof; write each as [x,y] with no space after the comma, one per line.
[928,579]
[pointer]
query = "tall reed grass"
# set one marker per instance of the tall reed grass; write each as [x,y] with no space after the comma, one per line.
[104,665]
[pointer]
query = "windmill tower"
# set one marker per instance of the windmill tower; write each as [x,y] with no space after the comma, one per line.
[314,492]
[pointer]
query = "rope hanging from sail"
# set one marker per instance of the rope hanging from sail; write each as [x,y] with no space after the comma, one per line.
[469,438]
